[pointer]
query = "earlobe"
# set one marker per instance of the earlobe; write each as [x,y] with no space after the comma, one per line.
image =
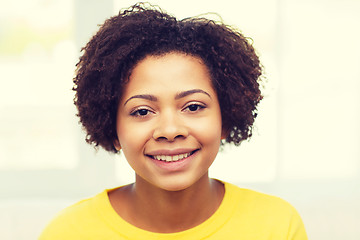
[224,134]
[117,144]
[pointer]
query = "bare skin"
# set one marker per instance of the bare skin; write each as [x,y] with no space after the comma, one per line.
[169,109]
[153,209]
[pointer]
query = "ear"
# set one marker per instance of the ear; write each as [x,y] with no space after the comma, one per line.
[224,134]
[117,144]
[223,137]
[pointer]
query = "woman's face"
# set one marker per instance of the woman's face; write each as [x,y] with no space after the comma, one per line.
[169,121]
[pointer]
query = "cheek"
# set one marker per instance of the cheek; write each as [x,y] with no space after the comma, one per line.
[209,130]
[131,144]
[132,135]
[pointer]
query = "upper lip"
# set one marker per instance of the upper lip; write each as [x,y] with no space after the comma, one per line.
[170,152]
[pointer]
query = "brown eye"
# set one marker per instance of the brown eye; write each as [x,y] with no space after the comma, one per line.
[140,112]
[143,112]
[194,107]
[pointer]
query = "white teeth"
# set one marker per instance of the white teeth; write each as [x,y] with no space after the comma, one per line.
[171,158]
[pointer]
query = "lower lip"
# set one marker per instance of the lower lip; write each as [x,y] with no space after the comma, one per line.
[175,165]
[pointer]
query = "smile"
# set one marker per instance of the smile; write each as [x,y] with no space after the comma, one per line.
[172,158]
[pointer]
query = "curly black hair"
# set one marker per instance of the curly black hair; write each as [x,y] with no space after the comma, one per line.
[143,30]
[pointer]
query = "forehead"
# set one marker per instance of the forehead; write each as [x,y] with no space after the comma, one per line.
[169,72]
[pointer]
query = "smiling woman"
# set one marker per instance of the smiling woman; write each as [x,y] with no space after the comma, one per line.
[167,93]
[180,114]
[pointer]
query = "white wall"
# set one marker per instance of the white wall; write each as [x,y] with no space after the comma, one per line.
[305,147]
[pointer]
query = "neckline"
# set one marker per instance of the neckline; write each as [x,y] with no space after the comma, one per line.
[209,226]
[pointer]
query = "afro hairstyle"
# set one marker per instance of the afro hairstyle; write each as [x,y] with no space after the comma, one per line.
[142,30]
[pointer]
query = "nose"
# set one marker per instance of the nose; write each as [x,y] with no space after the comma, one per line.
[169,127]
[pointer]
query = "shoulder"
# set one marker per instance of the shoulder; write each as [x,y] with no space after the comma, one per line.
[269,214]
[74,219]
[253,199]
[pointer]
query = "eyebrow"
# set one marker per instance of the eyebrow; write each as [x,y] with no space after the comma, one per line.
[143,96]
[189,92]
[178,96]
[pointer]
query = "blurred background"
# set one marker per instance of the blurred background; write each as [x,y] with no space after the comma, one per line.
[305,148]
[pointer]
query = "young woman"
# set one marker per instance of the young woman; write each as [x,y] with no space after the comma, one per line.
[166,94]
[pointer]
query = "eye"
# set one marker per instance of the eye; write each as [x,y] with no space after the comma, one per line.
[142,112]
[194,107]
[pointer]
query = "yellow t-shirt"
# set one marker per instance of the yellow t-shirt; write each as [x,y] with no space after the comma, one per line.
[243,214]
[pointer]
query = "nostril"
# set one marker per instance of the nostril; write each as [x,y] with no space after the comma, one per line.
[167,138]
[180,136]
[170,131]
[161,138]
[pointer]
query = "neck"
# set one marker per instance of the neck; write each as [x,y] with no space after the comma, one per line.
[158,210]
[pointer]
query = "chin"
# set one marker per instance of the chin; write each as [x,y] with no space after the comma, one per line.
[176,185]
[173,187]
[176,188]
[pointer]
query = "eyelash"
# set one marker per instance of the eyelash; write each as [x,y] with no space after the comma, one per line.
[197,105]
[143,112]
[137,112]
